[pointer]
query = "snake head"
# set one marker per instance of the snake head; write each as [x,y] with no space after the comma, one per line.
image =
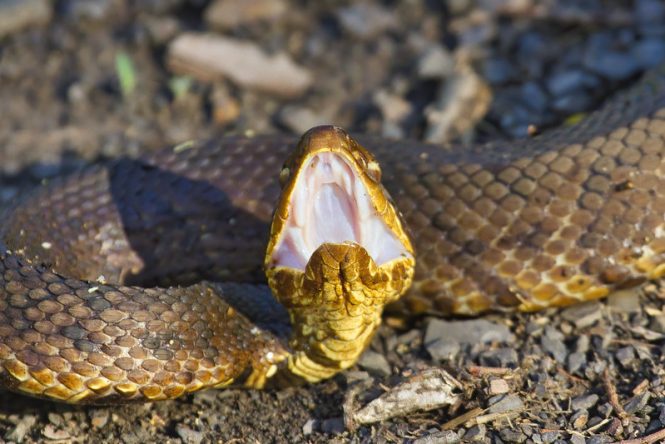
[338,251]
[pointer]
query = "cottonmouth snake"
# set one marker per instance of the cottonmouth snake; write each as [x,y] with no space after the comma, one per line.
[142,279]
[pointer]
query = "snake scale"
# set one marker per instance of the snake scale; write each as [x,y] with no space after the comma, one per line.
[142,279]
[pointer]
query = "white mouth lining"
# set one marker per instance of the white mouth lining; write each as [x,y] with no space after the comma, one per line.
[331,204]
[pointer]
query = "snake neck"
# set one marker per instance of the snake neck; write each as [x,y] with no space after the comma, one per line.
[335,306]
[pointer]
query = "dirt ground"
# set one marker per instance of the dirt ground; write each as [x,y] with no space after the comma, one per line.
[86,80]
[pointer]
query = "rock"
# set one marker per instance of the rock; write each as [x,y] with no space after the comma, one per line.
[463,99]
[366,20]
[584,402]
[81,10]
[498,71]
[650,11]
[375,363]
[476,433]
[534,96]
[309,427]
[550,437]
[228,14]
[625,355]
[208,57]
[438,437]
[637,403]
[498,387]
[99,417]
[393,108]
[625,301]
[579,419]
[441,350]
[500,357]
[512,435]
[571,103]
[468,331]
[649,52]
[443,339]
[612,65]
[299,119]
[188,435]
[583,315]
[570,81]
[435,63]
[507,403]
[553,344]
[226,108]
[50,432]
[16,15]
[577,439]
[333,426]
[657,323]
[21,429]
[576,361]
[161,29]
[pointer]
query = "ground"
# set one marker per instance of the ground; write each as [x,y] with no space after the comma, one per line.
[86,80]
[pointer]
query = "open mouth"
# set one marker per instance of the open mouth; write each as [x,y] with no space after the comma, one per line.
[331,204]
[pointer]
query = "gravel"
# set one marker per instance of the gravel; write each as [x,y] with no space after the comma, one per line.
[376,67]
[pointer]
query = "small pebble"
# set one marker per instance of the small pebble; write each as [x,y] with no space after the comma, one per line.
[637,403]
[625,301]
[649,52]
[579,419]
[435,63]
[333,426]
[625,355]
[552,343]
[21,428]
[375,363]
[476,433]
[498,71]
[99,417]
[508,403]
[438,437]
[612,65]
[577,439]
[468,331]
[576,361]
[584,402]
[500,357]
[79,10]
[50,432]
[188,435]
[512,435]
[309,427]
[229,14]
[366,20]
[299,119]
[550,437]
[583,315]
[498,387]
[16,15]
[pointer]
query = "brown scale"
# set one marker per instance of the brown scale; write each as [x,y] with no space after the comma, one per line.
[560,218]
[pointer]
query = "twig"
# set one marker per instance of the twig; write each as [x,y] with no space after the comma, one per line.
[477,370]
[654,437]
[612,393]
[461,419]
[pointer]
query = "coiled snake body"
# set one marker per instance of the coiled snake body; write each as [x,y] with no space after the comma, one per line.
[88,307]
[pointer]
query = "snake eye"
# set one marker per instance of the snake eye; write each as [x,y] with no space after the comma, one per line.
[374,171]
[284,175]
